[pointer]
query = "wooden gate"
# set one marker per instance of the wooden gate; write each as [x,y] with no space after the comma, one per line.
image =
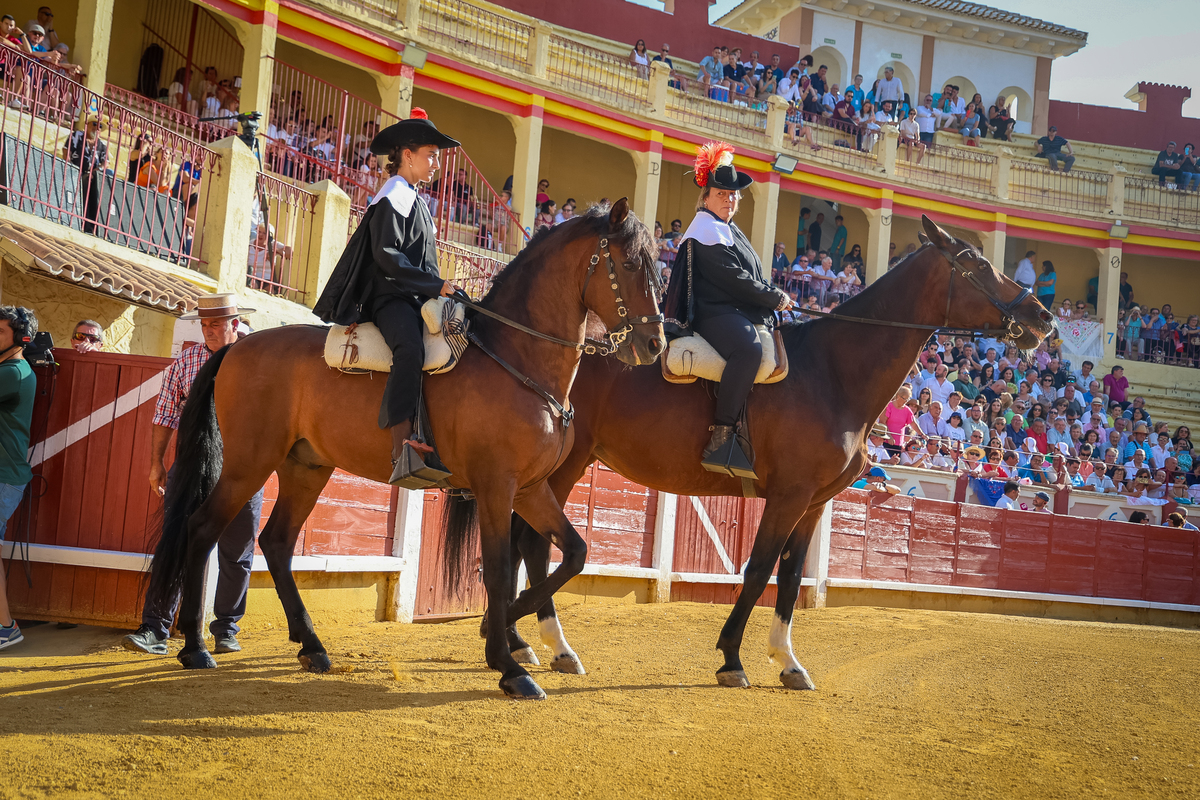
[714,537]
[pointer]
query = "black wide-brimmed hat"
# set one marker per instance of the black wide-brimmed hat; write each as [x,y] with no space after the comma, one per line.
[715,170]
[416,131]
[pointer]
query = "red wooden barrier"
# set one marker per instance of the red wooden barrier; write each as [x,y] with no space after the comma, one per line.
[734,523]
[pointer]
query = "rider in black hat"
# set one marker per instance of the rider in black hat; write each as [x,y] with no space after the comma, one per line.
[721,294]
[390,267]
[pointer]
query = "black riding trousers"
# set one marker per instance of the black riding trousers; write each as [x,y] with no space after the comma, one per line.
[735,339]
[400,323]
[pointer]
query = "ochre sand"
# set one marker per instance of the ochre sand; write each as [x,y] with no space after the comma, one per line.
[919,704]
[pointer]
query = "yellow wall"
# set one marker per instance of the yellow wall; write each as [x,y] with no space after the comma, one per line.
[677,195]
[355,80]
[486,136]
[585,169]
[1165,280]
[1075,266]
[59,306]
[125,52]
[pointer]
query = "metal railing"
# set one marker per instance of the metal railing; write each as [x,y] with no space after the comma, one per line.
[466,268]
[278,258]
[843,144]
[1077,190]
[466,29]
[1147,198]
[468,211]
[696,104]
[585,70]
[963,168]
[188,39]
[124,178]
[172,119]
[1174,347]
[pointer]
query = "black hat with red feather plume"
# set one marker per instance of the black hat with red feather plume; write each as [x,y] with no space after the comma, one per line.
[714,168]
[416,131]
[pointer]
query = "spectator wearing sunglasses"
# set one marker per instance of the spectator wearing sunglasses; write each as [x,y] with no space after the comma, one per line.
[88,337]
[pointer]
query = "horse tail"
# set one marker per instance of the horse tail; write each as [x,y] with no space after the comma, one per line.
[198,457]
[460,528]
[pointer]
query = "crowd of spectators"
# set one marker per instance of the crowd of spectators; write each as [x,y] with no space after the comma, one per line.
[978,408]
[1178,169]
[36,43]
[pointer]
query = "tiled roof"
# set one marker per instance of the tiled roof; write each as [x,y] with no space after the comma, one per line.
[999,15]
[92,269]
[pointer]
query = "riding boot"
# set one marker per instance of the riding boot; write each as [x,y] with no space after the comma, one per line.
[726,453]
[410,467]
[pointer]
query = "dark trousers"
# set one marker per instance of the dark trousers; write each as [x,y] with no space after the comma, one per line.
[1163,173]
[734,337]
[400,324]
[235,555]
[91,209]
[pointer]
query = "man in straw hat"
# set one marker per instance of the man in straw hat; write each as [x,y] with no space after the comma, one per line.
[389,268]
[220,326]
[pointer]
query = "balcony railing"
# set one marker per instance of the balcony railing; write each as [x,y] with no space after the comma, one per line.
[170,118]
[963,168]
[468,269]
[278,259]
[1077,190]
[698,105]
[128,179]
[1178,348]
[465,29]
[1146,197]
[583,69]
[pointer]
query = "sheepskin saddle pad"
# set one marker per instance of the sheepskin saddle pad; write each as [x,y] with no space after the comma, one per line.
[361,347]
[690,357]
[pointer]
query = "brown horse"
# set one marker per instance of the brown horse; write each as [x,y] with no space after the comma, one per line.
[809,431]
[280,409]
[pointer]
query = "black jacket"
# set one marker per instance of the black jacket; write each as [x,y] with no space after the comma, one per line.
[401,248]
[720,279]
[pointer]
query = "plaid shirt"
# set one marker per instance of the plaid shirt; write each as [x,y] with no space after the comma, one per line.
[176,385]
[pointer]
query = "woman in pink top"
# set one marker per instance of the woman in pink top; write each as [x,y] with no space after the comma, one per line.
[1115,383]
[897,416]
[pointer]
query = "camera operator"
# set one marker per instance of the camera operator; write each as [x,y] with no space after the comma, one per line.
[17,388]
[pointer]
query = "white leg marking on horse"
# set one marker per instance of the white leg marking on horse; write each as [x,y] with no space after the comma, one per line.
[779,645]
[551,634]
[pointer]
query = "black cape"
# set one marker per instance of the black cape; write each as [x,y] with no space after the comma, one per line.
[402,248]
[714,279]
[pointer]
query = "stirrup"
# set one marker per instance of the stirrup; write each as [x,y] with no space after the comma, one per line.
[729,458]
[411,472]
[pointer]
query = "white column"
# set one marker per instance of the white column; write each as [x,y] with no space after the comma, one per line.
[396,92]
[527,162]
[663,557]
[1108,295]
[766,209]
[993,246]
[406,544]
[879,236]
[816,560]
[648,169]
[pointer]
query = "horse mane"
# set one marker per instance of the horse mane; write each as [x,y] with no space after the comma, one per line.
[632,236]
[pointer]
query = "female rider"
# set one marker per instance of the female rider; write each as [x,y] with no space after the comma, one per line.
[719,290]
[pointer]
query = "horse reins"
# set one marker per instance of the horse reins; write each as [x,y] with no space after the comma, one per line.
[612,341]
[1012,328]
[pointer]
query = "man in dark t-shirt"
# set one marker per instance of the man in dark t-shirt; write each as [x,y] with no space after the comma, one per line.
[814,233]
[1050,147]
[1167,165]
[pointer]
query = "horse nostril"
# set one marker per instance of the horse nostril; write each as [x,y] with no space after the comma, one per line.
[656,345]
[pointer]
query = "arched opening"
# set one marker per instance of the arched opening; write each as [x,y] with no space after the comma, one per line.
[1020,106]
[907,79]
[966,89]
[837,71]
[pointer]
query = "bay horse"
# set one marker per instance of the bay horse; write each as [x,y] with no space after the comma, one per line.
[269,404]
[809,431]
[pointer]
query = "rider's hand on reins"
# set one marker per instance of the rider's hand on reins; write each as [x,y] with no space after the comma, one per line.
[447,289]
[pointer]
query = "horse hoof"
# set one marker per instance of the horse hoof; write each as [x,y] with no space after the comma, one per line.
[568,665]
[315,662]
[521,687]
[734,678]
[199,659]
[796,679]
[526,656]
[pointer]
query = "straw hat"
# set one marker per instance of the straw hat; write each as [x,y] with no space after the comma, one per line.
[217,306]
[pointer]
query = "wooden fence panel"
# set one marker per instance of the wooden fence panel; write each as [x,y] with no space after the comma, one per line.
[887,535]
[1025,558]
[931,550]
[1072,564]
[847,536]
[980,534]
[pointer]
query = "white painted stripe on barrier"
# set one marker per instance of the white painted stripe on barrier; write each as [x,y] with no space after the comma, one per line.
[1005,594]
[616,571]
[140,562]
[711,530]
[733,580]
[57,442]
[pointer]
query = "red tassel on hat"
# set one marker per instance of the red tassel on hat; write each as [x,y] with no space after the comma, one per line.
[418,113]
[710,156]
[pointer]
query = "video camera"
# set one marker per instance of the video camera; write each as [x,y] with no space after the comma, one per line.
[249,122]
[39,351]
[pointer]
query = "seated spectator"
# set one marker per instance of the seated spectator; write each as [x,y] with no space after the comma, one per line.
[1116,384]
[639,58]
[1167,165]
[847,284]
[955,431]
[545,216]
[795,123]
[821,278]
[877,452]
[1160,452]
[1040,501]
[710,72]
[1072,475]
[830,99]
[1052,147]
[1189,169]
[971,125]
[911,136]
[1179,489]
[914,454]
[1000,120]
[1099,481]
[1037,471]
[88,337]
[950,108]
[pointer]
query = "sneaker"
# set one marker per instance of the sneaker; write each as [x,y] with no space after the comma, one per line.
[145,641]
[226,644]
[10,635]
[15,104]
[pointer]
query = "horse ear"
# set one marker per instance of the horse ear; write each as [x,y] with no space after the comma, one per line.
[618,214]
[922,238]
[935,233]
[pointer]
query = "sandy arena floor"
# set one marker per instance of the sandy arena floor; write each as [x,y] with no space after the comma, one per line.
[909,704]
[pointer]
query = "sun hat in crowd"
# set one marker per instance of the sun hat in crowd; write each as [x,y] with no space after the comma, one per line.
[975,451]
[217,306]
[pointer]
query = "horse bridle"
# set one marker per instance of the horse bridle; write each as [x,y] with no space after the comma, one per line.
[606,347]
[1012,329]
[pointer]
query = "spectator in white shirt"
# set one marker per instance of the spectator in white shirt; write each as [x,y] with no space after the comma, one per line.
[910,136]
[914,454]
[1012,490]
[1099,481]
[876,452]
[1160,452]
[937,456]
[939,387]
[931,421]
[889,88]
[927,119]
[789,87]
[822,277]
[955,431]
[1026,275]
[830,99]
